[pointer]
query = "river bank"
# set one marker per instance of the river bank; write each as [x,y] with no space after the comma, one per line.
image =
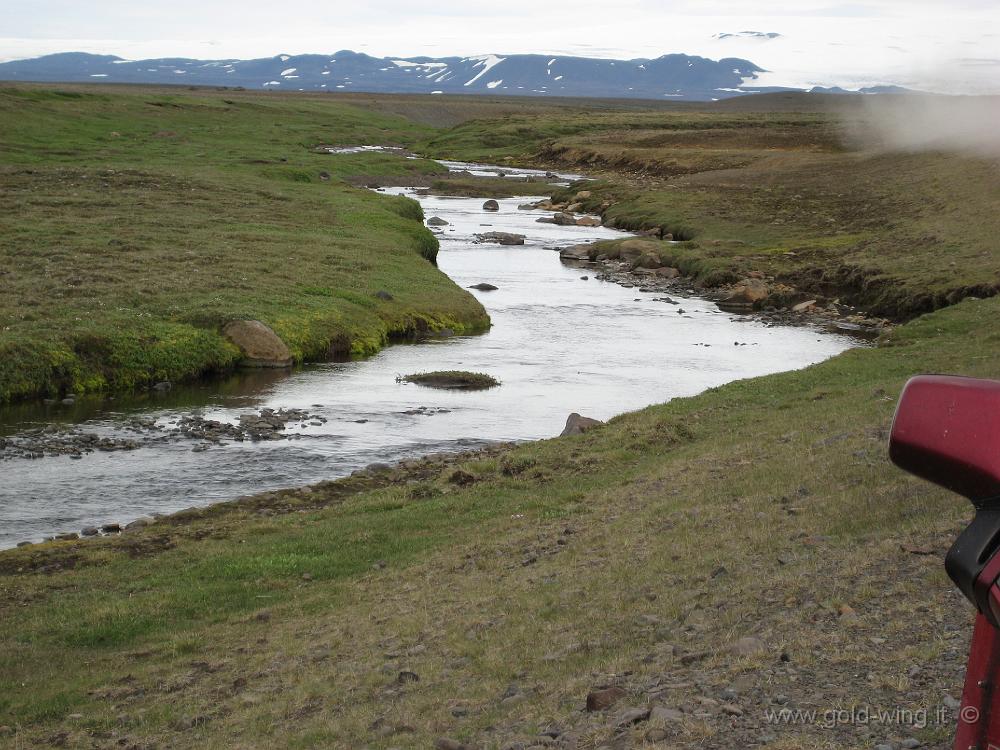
[131,460]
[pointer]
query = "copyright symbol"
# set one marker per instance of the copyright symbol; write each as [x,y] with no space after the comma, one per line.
[969,714]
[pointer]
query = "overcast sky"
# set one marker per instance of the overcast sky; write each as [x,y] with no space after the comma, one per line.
[952,46]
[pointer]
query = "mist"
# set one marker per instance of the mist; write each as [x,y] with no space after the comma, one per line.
[968,125]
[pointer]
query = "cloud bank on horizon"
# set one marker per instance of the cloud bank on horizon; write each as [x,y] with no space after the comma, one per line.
[920,44]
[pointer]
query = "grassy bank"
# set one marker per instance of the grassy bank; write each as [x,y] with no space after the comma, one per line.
[786,193]
[137,223]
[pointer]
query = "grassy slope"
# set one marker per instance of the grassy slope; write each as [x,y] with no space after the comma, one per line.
[136,223]
[255,624]
[285,620]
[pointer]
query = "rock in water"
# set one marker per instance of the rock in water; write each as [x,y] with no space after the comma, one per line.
[503,238]
[491,205]
[484,287]
[260,345]
[436,221]
[576,252]
[577,425]
[562,219]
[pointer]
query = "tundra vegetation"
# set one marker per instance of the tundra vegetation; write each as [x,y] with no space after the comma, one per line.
[689,567]
[454,379]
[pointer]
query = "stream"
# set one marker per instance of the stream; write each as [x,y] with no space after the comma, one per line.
[558,344]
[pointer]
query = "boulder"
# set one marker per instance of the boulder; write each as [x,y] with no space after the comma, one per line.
[637,248]
[588,221]
[604,698]
[502,238]
[484,287]
[260,345]
[139,523]
[576,252]
[527,207]
[582,195]
[748,292]
[804,306]
[491,205]
[648,260]
[436,221]
[668,272]
[577,425]
[574,207]
[383,295]
[561,219]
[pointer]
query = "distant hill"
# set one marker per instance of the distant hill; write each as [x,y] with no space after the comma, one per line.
[670,77]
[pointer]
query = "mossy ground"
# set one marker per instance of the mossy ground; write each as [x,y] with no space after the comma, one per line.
[136,223]
[458,379]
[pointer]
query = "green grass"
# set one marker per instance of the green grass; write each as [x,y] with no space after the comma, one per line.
[459,379]
[651,498]
[137,224]
[783,193]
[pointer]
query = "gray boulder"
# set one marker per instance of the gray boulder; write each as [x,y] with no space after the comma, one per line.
[502,238]
[577,425]
[260,345]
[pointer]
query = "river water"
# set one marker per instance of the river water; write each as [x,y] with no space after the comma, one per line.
[559,344]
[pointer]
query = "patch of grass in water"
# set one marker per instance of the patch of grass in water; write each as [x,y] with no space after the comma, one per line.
[452,379]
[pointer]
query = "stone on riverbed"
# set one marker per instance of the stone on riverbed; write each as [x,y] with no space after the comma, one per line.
[260,345]
[576,252]
[484,287]
[491,205]
[502,238]
[436,221]
[561,219]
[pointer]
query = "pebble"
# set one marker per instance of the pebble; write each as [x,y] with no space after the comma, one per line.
[748,646]
[665,715]
[75,442]
[632,716]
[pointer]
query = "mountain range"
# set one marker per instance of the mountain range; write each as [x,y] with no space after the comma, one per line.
[675,76]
